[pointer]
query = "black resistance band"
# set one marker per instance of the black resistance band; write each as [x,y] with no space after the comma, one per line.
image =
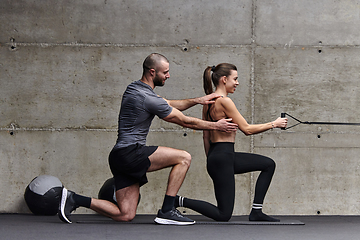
[310,123]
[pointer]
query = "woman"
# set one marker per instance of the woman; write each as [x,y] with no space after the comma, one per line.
[222,161]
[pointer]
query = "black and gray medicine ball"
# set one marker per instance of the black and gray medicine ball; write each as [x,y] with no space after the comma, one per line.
[43,195]
[107,191]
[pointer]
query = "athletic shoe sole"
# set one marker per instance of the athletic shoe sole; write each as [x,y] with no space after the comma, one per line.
[62,215]
[171,222]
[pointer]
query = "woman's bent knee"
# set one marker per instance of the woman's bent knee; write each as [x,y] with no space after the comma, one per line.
[272,164]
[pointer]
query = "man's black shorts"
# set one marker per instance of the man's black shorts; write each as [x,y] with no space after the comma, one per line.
[130,164]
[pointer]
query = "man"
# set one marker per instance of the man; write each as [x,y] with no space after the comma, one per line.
[130,159]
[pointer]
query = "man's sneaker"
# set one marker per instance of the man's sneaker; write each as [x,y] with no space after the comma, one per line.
[172,217]
[66,206]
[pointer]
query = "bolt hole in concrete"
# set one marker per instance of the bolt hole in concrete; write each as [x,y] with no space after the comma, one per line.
[12,40]
[11,133]
[318,136]
[185,49]
[185,134]
[318,212]
[320,51]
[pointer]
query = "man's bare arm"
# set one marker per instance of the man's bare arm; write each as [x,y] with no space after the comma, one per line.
[179,118]
[188,103]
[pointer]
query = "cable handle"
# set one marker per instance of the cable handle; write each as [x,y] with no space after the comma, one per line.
[283,116]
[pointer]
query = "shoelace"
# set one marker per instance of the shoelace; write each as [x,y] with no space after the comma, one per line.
[177,213]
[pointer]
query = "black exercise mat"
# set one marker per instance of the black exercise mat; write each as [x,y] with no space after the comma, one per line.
[149,219]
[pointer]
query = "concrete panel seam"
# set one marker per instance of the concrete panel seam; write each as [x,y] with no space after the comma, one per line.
[13,45]
[90,129]
[76,44]
[315,46]
[58,129]
[252,87]
[174,130]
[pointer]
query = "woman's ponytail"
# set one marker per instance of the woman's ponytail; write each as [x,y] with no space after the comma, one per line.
[208,88]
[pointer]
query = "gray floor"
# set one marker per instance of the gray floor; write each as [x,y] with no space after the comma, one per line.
[15,226]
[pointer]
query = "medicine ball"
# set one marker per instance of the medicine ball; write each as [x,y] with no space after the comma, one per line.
[43,195]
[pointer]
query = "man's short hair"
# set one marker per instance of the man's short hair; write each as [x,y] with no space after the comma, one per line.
[152,61]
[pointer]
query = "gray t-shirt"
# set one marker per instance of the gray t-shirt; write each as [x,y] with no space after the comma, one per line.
[139,106]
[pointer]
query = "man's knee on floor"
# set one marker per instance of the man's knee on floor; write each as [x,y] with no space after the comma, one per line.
[124,217]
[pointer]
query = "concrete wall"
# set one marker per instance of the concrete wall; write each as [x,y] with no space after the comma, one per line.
[65,64]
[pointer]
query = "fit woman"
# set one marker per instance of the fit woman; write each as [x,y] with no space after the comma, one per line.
[222,161]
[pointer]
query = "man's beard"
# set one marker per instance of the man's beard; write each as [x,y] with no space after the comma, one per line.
[158,82]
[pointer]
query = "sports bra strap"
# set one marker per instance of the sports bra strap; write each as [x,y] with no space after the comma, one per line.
[208,113]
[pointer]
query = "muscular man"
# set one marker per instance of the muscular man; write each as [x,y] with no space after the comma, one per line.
[130,158]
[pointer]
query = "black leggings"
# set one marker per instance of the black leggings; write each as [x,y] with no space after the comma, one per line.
[222,163]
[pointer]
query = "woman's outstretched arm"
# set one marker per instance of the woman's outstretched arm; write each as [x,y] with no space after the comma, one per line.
[249,129]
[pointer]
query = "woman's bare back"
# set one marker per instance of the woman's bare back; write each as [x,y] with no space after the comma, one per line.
[215,112]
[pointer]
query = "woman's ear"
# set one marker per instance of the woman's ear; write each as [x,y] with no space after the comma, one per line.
[223,79]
